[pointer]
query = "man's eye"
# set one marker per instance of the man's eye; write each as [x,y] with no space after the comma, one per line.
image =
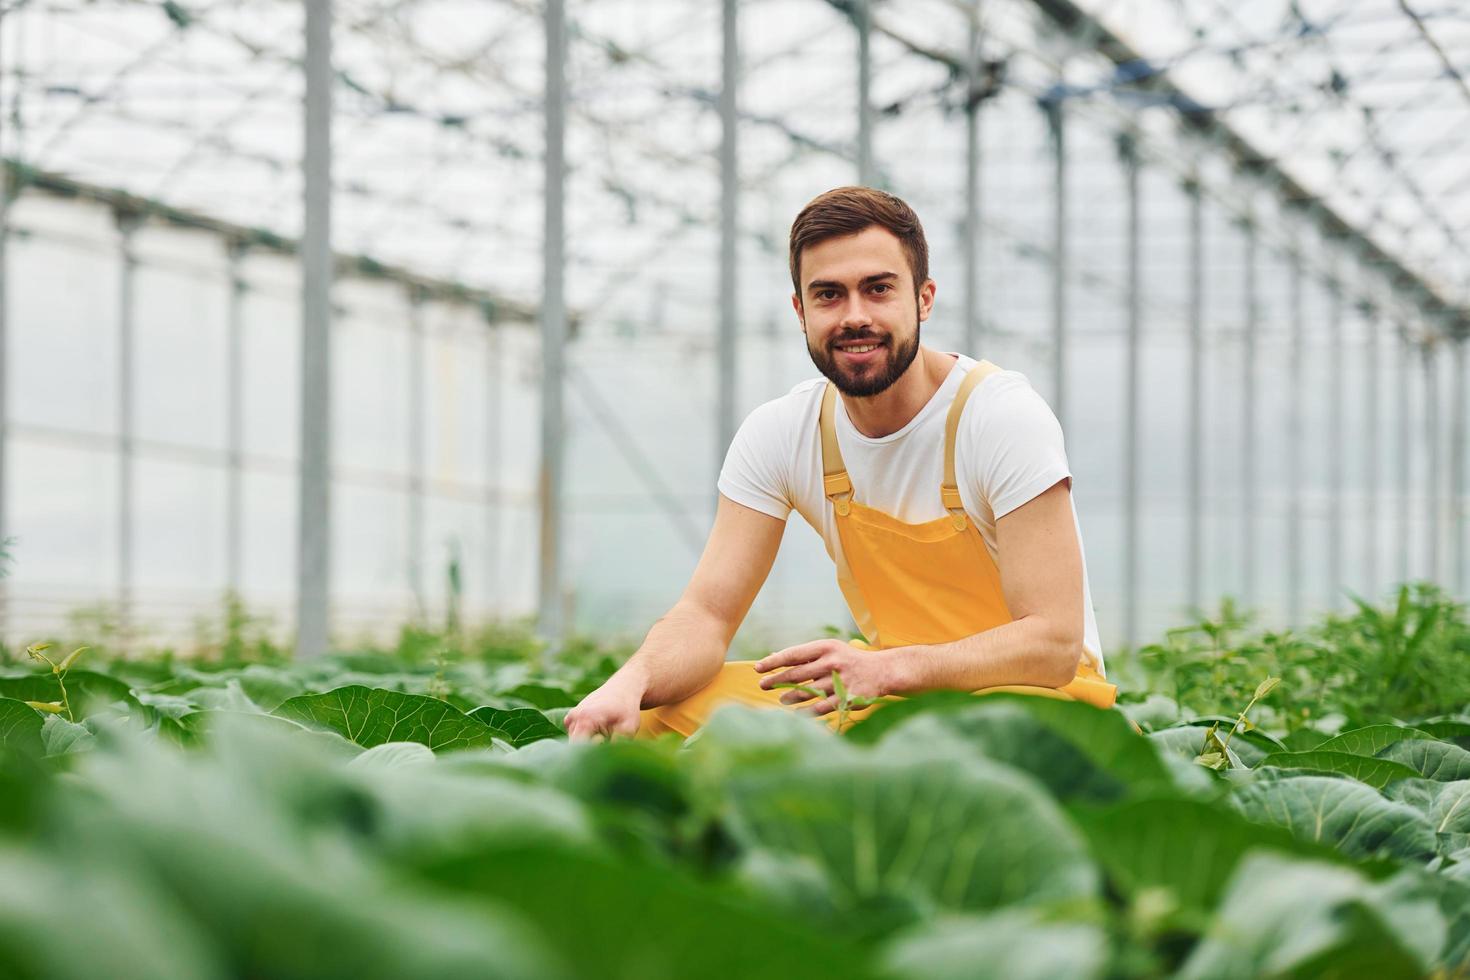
[827,294]
[882,286]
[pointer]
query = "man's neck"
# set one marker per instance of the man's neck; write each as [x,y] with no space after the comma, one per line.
[885,413]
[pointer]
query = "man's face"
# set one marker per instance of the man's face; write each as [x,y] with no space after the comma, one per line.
[858,310]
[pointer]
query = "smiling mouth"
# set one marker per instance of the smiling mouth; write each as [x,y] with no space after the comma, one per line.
[861,347]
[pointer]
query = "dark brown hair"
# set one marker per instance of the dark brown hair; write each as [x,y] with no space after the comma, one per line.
[849,210]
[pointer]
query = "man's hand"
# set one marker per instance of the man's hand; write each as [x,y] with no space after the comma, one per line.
[610,710]
[865,673]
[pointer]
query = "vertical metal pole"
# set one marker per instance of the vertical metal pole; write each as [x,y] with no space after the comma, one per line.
[494,379]
[1057,122]
[1334,442]
[234,421]
[1458,422]
[1248,502]
[972,193]
[1196,396]
[417,451]
[1433,478]
[862,12]
[729,217]
[1131,385]
[127,227]
[553,332]
[5,184]
[1405,454]
[313,585]
[1371,395]
[1295,444]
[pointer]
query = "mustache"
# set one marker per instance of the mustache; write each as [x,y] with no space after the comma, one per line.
[849,338]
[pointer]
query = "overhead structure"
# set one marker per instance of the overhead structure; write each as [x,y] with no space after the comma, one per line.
[666,191]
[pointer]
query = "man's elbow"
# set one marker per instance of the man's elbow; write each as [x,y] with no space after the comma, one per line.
[1063,656]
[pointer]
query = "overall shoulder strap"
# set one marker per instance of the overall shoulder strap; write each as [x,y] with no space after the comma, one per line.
[835,483]
[949,491]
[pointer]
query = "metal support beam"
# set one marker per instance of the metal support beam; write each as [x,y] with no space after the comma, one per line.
[1295,445]
[972,326]
[1433,474]
[494,401]
[862,14]
[4,403]
[1459,419]
[1056,120]
[1405,453]
[417,452]
[235,421]
[1248,397]
[127,224]
[1131,385]
[1196,475]
[1334,442]
[551,619]
[313,566]
[1371,394]
[729,349]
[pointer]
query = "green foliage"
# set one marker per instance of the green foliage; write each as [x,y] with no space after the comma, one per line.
[418,812]
[1402,660]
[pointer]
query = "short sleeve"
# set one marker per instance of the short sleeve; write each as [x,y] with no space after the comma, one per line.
[1018,449]
[758,463]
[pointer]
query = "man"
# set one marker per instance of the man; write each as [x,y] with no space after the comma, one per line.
[939,485]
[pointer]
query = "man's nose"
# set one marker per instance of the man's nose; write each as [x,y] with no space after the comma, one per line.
[855,313]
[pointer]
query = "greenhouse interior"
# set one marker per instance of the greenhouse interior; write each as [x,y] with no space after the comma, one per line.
[368,369]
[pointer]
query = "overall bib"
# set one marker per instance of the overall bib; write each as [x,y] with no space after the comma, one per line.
[923,584]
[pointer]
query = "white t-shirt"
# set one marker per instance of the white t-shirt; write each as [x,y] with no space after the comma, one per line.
[1009,449]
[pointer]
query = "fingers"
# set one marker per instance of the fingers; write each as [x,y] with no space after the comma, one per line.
[797,696]
[800,674]
[799,654]
[822,707]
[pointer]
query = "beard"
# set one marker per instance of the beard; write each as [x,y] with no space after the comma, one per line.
[872,379]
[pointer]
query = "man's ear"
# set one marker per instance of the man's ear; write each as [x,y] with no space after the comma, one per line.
[800,313]
[926,298]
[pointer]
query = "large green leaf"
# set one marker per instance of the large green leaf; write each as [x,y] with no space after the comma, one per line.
[57,922]
[62,737]
[1188,741]
[922,823]
[1013,944]
[1441,761]
[1377,773]
[1288,917]
[1371,740]
[1341,812]
[84,689]
[1446,805]
[371,717]
[1077,751]
[20,724]
[518,726]
[1188,849]
[542,696]
[635,920]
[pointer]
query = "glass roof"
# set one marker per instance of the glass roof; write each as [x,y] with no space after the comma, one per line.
[1362,104]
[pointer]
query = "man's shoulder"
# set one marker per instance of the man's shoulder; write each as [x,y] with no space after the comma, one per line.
[1005,397]
[791,408]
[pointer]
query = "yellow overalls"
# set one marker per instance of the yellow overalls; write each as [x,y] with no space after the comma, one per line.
[923,584]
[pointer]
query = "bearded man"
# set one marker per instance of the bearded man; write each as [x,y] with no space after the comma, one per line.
[939,484]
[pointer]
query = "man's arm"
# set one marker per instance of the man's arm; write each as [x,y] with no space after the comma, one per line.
[1041,576]
[686,646]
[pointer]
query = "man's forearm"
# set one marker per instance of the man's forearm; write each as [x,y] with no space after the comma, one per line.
[681,654]
[1029,651]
